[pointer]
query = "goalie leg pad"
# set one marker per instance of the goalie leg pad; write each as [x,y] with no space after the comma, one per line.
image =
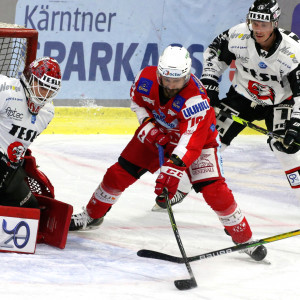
[19,229]
[17,193]
[54,221]
[115,181]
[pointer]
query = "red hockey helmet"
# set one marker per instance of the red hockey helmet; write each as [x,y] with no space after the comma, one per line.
[42,79]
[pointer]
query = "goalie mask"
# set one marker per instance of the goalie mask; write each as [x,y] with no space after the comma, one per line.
[175,62]
[264,11]
[42,79]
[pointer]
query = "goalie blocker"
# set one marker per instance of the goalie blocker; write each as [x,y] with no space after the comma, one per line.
[21,228]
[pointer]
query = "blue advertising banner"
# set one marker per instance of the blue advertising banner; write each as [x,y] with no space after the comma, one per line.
[296,20]
[102,45]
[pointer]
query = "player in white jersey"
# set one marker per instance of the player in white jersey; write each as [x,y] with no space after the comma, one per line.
[26,109]
[266,84]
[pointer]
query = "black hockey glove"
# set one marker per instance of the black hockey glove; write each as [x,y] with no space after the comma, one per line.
[212,89]
[292,134]
[7,170]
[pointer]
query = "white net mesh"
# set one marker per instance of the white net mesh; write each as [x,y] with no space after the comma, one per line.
[12,53]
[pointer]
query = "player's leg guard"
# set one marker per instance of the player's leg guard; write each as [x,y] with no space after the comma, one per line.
[115,181]
[219,197]
[235,223]
[101,201]
[17,192]
[19,229]
[290,163]
[53,212]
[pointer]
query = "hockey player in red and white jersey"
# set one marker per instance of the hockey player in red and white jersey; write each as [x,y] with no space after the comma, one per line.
[266,84]
[173,111]
[26,109]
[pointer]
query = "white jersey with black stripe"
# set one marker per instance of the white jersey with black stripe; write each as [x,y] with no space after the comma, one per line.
[18,127]
[266,78]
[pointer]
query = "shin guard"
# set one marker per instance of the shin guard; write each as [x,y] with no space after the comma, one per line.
[219,197]
[236,224]
[101,201]
[115,181]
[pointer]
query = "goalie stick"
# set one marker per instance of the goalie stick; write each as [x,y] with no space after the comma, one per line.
[250,125]
[180,260]
[183,284]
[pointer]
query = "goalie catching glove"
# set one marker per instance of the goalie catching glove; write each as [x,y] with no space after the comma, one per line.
[169,177]
[150,133]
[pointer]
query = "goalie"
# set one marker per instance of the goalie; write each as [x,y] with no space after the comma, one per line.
[26,109]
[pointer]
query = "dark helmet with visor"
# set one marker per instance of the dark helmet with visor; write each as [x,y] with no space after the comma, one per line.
[264,11]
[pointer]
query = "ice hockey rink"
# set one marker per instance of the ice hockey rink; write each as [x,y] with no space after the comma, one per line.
[103,264]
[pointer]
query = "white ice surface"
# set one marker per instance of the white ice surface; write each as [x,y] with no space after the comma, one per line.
[102,264]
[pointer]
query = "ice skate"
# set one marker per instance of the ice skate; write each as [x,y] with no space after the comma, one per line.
[178,198]
[83,221]
[257,253]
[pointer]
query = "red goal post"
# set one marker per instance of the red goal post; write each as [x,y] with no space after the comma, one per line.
[18,47]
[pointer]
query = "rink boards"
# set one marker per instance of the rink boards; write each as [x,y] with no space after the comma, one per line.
[99,120]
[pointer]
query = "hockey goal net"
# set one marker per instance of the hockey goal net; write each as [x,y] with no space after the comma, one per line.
[18,46]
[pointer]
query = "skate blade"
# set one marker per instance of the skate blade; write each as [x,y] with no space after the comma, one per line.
[157,208]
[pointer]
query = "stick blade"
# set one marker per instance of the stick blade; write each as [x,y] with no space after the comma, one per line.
[159,255]
[185,284]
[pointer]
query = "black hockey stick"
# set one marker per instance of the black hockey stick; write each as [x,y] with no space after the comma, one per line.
[183,284]
[179,260]
[251,125]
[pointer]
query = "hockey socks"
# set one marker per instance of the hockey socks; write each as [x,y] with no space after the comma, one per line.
[115,181]
[219,197]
